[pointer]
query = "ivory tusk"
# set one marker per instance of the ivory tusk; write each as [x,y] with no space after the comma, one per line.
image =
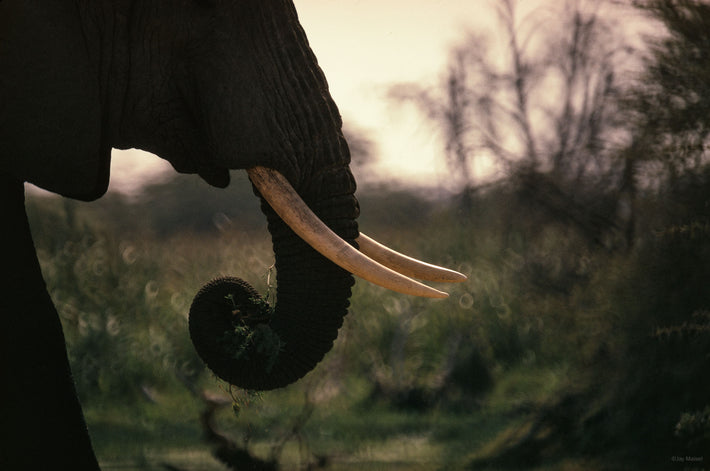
[277,191]
[405,265]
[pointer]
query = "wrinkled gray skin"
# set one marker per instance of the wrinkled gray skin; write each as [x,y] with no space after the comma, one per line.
[207,85]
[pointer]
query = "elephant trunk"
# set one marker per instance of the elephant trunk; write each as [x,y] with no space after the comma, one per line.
[238,335]
[246,342]
[313,293]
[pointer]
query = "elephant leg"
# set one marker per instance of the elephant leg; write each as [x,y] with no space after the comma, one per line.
[41,422]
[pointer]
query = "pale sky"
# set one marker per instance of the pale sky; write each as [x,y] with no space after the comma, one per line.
[365,46]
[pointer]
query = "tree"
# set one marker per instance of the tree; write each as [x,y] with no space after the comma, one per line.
[672,108]
[542,112]
[652,304]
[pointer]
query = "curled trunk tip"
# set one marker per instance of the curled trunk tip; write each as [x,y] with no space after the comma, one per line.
[230,327]
[244,342]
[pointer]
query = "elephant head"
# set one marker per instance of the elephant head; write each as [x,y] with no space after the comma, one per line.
[211,86]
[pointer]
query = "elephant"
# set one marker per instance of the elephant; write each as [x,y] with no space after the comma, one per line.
[211,86]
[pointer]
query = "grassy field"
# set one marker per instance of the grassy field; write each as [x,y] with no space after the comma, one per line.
[345,438]
[554,355]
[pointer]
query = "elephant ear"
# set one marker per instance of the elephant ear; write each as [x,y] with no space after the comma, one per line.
[50,124]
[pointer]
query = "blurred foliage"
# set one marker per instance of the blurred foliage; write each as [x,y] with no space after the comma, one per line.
[675,88]
[600,216]
[120,272]
[544,319]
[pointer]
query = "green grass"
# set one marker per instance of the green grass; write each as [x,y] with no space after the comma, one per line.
[352,438]
[345,429]
[120,430]
[410,383]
